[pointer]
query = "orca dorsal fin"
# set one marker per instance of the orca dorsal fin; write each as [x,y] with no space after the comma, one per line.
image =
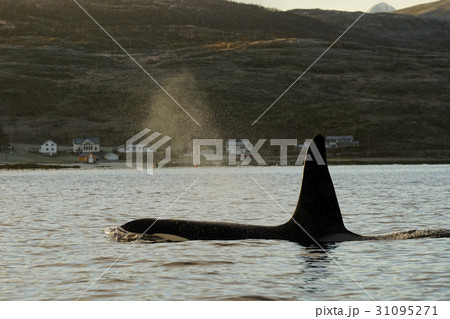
[318,209]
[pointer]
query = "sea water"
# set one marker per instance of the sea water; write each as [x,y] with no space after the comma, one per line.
[53,245]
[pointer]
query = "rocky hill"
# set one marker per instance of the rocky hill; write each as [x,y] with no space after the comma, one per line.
[438,9]
[385,81]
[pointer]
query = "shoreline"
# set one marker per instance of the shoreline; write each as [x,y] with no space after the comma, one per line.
[23,158]
[122,165]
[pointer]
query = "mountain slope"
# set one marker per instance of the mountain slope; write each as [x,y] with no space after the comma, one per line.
[385,81]
[438,9]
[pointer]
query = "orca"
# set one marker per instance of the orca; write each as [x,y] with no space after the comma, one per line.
[317,218]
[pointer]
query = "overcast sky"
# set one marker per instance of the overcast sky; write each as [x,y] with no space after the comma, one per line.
[344,5]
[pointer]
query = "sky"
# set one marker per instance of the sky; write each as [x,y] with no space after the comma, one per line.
[343,5]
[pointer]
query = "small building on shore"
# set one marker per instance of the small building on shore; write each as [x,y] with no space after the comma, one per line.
[339,141]
[123,149]
[49,148]
[234,147]
[111,157]
[86,157]
[88,144]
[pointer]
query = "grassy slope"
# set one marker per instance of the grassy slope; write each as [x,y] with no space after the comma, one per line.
[386,81]
[438,9]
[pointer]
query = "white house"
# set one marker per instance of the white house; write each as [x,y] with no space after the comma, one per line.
[89,144]
[340,141]
[49,148]
[111,157]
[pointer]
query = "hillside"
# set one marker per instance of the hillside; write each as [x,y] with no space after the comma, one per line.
[386,81]
[438,9]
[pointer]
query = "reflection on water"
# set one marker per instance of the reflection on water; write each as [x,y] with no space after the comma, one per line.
[53,243]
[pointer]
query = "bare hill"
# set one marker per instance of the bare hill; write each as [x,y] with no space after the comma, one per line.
[438,9]
[386,81]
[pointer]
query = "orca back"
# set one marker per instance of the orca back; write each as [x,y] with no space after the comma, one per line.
[317,217]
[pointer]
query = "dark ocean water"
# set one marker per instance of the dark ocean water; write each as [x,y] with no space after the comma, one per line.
[54,247]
